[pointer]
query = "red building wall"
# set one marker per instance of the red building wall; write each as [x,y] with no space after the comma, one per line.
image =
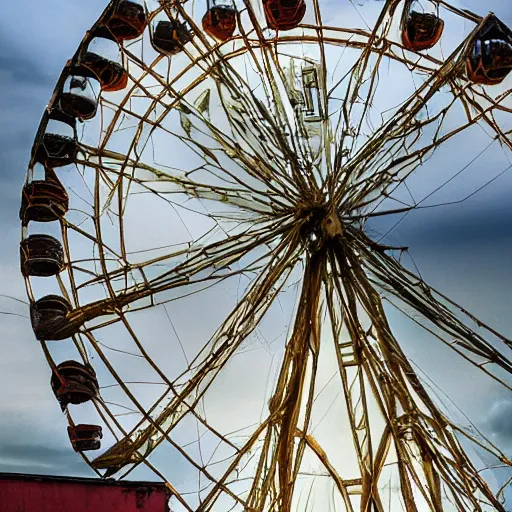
[31,493]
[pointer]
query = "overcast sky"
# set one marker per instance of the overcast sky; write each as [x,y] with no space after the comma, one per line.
[464,250]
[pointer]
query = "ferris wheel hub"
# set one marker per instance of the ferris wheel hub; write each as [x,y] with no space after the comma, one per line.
[320,223]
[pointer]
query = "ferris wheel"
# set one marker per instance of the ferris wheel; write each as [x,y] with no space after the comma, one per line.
[204,280]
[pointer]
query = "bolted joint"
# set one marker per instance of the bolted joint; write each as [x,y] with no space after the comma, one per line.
[320,225]
[331,226]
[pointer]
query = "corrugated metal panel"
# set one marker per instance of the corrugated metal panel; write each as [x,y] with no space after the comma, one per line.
[34,493]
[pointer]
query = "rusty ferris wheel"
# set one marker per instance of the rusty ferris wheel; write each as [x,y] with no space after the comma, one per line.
[198,201]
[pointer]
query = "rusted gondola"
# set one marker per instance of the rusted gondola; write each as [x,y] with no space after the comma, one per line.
[420,30]
[97,56]
[49,317]
[127,20]
[85,437]
[58,145]
[74,383]
[41,256]
[219,20]
[169,36]
[79,95]
[284,14]
[43,201]
[489,54]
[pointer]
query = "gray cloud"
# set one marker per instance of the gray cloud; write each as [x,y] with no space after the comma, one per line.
[476,223]
[500,421]
[33,431]
[21,66]
[36,457]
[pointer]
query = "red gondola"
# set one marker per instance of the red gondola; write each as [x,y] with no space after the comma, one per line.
[220,20]
[41,255]
[85,437]
[284,14]
[96,57]
[74,383]
[111,75]
[489,56]
[421,30]
[128,20]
